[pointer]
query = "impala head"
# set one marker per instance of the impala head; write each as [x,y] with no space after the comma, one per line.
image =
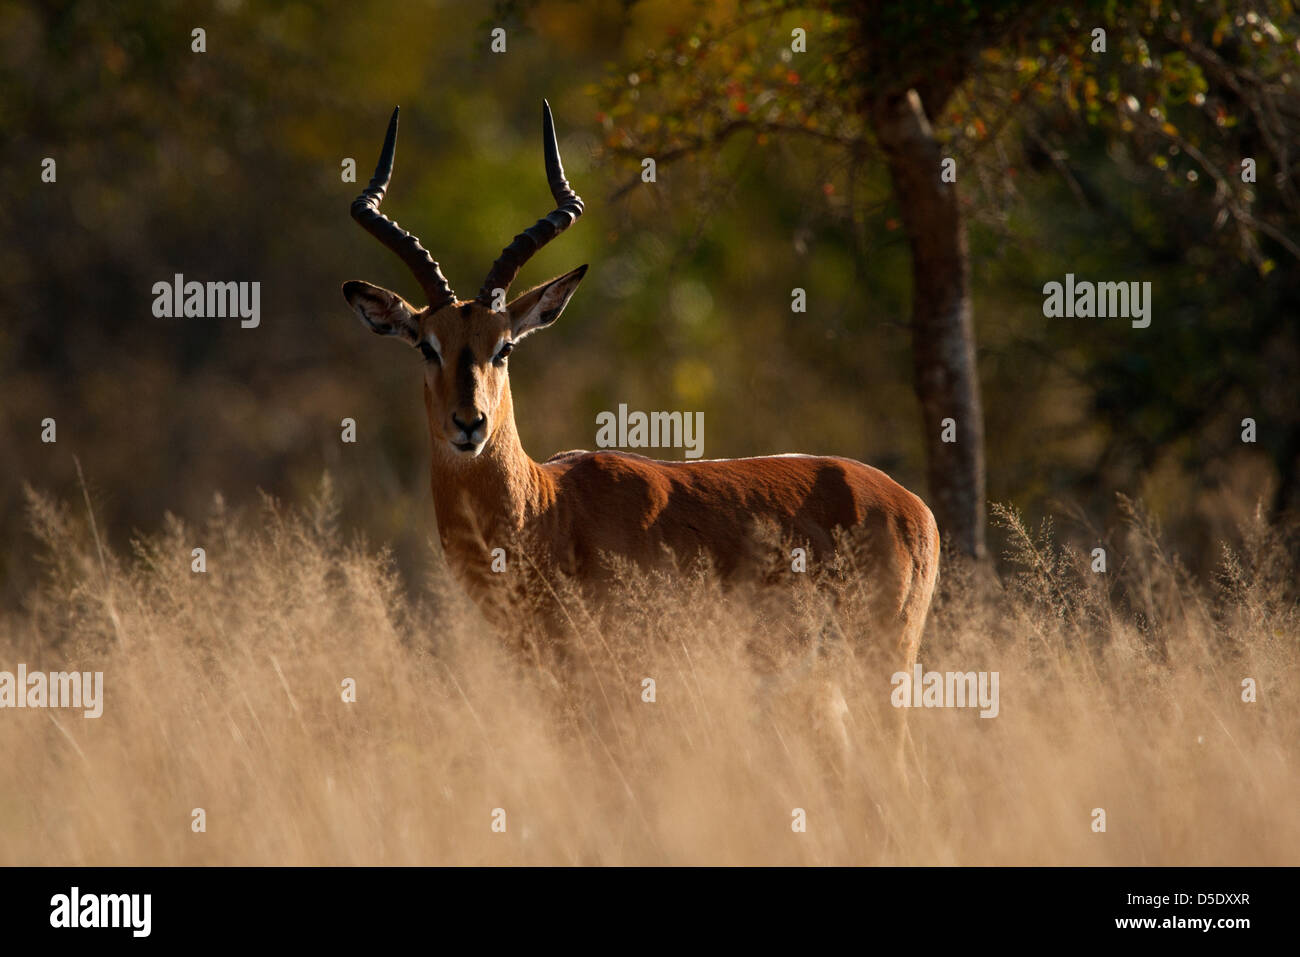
[465,344]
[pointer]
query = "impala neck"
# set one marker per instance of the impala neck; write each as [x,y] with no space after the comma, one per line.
[491,494]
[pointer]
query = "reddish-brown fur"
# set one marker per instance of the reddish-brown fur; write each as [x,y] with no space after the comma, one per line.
[569,515]
[572,510]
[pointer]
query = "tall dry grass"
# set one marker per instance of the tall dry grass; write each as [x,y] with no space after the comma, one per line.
[223,691]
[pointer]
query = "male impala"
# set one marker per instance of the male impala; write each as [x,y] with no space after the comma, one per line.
[578,507]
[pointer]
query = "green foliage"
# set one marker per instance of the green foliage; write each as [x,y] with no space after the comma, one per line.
[1119,164]
[226,165]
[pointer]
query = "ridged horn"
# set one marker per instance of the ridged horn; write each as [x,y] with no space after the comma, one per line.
[568,207]
[365,210]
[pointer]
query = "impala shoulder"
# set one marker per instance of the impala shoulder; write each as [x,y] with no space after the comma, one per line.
[593,475]
[603,460]
[560,458]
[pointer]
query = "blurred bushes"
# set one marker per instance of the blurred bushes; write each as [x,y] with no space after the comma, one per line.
[225,165]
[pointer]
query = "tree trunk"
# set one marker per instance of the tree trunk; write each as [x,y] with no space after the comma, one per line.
[943,343]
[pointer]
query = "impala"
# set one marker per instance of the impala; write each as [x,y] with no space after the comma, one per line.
[577,508]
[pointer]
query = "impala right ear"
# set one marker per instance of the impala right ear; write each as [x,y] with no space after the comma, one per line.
[383,311]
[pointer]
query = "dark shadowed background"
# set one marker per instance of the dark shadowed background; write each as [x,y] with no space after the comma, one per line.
[225,165]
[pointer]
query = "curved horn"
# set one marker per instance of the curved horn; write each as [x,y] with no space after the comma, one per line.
[365,210]
[568,207]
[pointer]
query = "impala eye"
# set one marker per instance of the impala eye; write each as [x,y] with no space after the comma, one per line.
[506,349]
[430,353]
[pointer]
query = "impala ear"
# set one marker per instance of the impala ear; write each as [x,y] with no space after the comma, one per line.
[541,306]
[383,311]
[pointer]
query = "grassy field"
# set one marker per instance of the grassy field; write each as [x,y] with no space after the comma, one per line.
[223,691]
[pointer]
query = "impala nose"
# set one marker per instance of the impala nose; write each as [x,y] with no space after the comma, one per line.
[469,428]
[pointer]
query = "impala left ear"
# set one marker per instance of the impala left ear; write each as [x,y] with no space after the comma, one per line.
[541,306]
